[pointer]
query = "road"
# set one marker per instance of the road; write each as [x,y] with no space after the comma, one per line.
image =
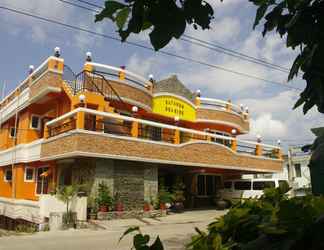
[174,230]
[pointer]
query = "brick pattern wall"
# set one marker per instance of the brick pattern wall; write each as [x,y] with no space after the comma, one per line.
[199,153]
[223,116]
[49,79]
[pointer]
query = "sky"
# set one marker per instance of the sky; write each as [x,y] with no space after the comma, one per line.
[26,41]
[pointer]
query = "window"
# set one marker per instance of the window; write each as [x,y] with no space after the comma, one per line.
[42,182]
[29,174]
[8,175]
[228,184]
[298,170]
[12,132]
[242,185]
[261,185]
[35,122]
[208,184]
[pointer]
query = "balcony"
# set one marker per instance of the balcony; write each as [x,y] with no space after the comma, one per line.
[222,112]
[91,133]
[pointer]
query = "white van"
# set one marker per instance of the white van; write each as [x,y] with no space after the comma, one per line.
[248,188]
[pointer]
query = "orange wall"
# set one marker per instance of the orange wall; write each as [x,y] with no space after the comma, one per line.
[24,190]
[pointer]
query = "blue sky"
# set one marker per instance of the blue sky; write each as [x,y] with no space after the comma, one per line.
[25,41]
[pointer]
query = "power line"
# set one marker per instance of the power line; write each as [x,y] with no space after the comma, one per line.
[205,44]
[189,59]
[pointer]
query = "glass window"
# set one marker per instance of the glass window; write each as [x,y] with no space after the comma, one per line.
[297,170]
[35,122]
[242,185]
[29,174]
[8,175]
[261,185]
[42,181]
[12,132]
[201,185]
[228,184]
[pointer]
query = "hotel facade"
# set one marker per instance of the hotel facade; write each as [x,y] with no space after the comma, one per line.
[107,124]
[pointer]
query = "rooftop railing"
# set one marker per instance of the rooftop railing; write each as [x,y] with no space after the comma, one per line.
[217,104]
[113,123]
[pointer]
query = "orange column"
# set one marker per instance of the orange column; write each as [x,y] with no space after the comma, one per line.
[134,130]
[177,136]
[80,120]
[234,145]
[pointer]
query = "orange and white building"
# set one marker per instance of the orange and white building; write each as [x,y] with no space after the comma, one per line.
[109,124]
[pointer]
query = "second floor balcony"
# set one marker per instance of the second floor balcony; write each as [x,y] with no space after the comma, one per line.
[91,133]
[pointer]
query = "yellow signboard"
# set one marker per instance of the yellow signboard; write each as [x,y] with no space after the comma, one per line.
[173,106]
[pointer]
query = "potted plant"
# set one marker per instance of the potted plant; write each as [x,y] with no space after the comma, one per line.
[92,208]
[178,195]
[104,200]
[119,207]
[165,198]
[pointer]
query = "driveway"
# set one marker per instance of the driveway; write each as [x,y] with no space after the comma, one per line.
[174,230]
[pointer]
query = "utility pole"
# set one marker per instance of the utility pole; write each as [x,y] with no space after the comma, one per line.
[291,169]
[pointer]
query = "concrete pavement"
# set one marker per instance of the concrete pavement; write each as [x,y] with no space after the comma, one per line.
[174,230]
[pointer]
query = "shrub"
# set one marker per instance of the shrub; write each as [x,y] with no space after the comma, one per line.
[271,222]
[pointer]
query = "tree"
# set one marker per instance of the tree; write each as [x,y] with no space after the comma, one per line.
[67,194]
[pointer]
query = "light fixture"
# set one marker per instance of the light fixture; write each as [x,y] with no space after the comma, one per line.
[176,118]
[234,131]
[198,92]
[88,56]
[279,142]
[134,109]
[242,106]
[57,51]
[258,138]
[31,69]
[82,98]
[246,109]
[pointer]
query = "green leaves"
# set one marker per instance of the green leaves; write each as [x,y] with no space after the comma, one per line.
[272,222]
[167,18]
[141,242]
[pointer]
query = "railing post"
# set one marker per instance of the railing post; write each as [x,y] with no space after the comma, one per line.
[197,101]
[177,136]
[234,145]
[134,130]
[229,105]
[46,132]
[80,120]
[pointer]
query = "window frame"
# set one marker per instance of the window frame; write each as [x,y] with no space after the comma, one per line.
[25,174]
[240,182]
[37,179]
[39,122]
[5,175]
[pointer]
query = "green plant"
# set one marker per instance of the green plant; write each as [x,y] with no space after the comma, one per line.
[179,190]
[104,198]
[164,196]
[272,222]
[67,194]
[141,242]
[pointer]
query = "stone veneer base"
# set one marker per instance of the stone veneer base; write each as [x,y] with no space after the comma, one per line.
[130,214]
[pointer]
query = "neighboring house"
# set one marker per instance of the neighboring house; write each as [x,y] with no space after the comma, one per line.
[110,125]
[295,170]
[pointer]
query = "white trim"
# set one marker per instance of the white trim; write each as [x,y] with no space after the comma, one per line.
[25,174]
[134,158]
[234,125]
[156,124]
[38,124]
[175,96]
[24,152]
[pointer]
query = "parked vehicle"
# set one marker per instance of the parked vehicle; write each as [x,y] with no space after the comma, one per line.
[248,188]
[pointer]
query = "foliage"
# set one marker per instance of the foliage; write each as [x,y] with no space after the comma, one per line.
[164,196]
[104,198]
[141,242]
[272,222]
[302,24]
[179,190]
[166,19]
[67,194]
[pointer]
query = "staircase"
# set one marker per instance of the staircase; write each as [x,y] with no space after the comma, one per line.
[92,82]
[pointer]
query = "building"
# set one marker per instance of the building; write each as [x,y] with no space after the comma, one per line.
[109,124]
[295,170]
